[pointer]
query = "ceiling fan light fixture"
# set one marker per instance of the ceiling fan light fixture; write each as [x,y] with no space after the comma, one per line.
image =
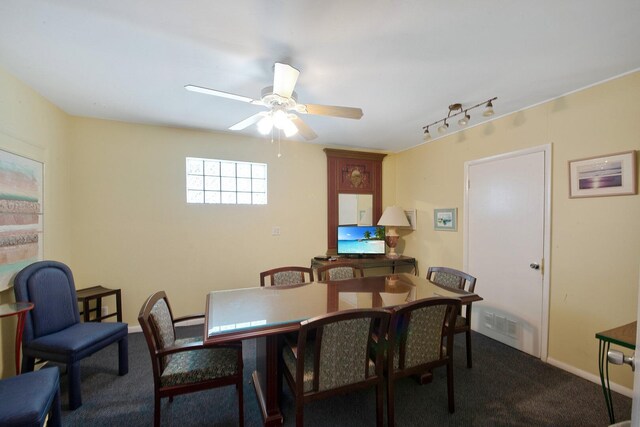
[280,119]
[289,128]
[265,125]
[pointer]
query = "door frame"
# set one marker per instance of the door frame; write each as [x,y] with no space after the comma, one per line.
[546,261]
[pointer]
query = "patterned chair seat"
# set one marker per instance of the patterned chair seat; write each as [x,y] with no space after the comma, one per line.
[199,365]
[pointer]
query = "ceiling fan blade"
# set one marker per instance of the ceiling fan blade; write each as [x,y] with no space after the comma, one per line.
[303,129]
[248,121]
[221,94]
[284,79]
[331,110]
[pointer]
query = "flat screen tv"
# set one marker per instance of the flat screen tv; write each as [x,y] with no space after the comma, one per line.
[360,240]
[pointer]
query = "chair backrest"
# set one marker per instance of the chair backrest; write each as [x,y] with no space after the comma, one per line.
[417,330]
[287,276]
[340,271]
[156,321]
[452,278]
[49,286]
[342,347]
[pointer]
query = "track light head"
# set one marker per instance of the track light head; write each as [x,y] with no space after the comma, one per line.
[426,136]
[488,111]
[444,127]
[465,120]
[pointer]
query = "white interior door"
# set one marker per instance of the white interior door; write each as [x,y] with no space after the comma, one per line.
[635,405]
[505,228]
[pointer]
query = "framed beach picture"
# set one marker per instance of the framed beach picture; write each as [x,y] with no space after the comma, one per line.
[20,214]
[445,219]
[609,175]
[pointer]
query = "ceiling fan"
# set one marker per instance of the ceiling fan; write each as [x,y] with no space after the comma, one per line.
[282,104]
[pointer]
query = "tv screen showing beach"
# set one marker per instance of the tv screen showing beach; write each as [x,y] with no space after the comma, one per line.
[360,240]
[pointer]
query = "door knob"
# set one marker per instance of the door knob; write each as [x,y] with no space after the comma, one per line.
[535,266]
[618,358]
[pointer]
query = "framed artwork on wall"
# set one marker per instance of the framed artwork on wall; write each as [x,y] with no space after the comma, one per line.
[445,219]
[608,175]
[21,214]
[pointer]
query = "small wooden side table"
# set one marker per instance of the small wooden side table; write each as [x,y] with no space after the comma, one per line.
[624,336]
[19,309]
[97,293]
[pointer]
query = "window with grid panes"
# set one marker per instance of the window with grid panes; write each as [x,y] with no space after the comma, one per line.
[226,181]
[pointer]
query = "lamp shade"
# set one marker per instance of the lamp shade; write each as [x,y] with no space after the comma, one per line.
[394,216]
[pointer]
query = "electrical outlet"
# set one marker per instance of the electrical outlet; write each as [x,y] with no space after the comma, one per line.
[275,231]
[104,311]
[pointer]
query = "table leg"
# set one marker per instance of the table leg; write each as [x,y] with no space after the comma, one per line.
[265,380]
[85,309]
[603,349]
[119,306]
[19,330]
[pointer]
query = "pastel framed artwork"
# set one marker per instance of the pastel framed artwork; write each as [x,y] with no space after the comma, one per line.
[607,175]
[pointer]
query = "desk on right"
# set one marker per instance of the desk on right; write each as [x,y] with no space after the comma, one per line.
[624,336]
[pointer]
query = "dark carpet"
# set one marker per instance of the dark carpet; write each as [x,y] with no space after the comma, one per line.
[505,387]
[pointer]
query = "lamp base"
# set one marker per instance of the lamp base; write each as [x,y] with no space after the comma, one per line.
[392,242]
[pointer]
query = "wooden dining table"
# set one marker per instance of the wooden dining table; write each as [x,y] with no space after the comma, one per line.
[265,313]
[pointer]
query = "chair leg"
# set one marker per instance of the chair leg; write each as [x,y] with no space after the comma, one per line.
[75,397]
[156,410]
[123,356]
[390,404]
[379,403]
[239,388]
[468,334]
[452,408]
[299,412]
[28,363]
[55,413]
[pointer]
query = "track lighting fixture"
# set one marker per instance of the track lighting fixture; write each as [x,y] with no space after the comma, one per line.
[455,110]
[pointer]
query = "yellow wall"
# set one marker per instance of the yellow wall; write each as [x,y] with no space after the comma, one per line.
[32,127]
[133,229]
[595,243]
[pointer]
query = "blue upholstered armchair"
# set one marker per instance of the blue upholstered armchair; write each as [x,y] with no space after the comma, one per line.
[53,330]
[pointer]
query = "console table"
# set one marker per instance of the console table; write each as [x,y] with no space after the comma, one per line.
[372,262]
[624,336]
[97,293]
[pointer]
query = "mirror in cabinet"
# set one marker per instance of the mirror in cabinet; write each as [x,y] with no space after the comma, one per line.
[355,209]
[354,190]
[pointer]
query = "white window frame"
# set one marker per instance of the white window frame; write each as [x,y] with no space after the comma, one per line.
[217,181]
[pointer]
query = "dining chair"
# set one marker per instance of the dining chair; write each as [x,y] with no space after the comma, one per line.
[53,331]
[452,278]
[340,271]
[417,344]
[287,276]
[337,359]
[185,365]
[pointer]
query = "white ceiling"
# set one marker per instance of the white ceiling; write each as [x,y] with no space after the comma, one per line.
[402,61]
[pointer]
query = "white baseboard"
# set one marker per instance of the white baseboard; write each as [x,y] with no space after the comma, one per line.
[192,322]
[589,376]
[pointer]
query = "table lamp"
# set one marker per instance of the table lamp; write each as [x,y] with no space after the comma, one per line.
[392,217]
